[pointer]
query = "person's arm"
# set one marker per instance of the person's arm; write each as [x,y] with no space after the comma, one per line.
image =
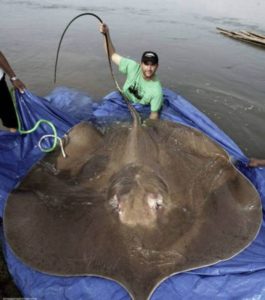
[156,103]
[4,64]
[115,57]
[154,115]
[255,162]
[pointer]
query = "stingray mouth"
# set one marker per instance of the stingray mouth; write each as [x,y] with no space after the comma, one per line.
[138,196]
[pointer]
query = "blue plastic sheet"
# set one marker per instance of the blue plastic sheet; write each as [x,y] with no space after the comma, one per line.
[241,277]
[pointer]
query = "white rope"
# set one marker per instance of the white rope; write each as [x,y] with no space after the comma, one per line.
[53,136]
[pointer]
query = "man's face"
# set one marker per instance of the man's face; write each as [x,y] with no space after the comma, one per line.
[148,70]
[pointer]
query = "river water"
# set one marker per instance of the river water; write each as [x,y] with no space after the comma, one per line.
[222,77]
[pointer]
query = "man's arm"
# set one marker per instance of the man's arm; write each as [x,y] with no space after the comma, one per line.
[115,57]
[256,162]
[156,103]
[4,64]
[154,115]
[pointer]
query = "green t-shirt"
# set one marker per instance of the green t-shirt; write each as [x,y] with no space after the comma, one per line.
[139,90]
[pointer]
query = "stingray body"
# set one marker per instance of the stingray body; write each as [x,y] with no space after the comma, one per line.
[135,204]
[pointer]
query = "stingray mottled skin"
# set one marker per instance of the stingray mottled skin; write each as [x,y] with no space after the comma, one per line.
[137,204]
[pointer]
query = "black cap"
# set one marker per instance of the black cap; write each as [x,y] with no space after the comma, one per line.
[150,56]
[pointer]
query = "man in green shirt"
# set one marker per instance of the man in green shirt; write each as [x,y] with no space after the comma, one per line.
[141,85]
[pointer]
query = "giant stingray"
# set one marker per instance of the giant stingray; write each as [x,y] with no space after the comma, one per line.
[135,204]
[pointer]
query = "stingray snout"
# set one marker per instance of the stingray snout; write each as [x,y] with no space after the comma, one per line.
[138,207]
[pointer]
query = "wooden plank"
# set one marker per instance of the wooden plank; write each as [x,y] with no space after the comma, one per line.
[245,36]
[257,35]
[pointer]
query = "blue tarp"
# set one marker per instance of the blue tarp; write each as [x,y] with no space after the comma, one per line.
[241,277]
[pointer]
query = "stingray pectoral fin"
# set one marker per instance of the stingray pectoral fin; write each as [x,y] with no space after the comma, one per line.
[52,230]
[201,144]
[81,143]
[186,139]
[216,172]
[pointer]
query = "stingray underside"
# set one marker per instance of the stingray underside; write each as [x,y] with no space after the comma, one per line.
[132,204]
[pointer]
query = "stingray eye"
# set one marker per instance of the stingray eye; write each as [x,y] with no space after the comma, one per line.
[155,201]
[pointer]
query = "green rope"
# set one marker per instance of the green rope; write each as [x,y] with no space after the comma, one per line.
[35,127]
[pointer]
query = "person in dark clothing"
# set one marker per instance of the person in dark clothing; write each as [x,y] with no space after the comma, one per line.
[7,111]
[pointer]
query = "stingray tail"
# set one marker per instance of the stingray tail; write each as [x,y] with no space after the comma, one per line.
[135,115]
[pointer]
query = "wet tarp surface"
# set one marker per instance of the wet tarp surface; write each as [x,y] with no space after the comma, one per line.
[241,277]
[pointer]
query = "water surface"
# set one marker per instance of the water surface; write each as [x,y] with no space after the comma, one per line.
[222,77]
